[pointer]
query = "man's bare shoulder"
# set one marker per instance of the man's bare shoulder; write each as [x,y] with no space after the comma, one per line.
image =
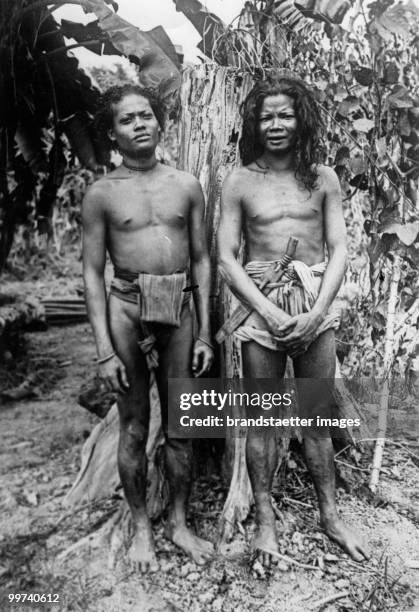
[328,178]
[187,181]
[238,179]
[97,194]
[100,191]
[186,178]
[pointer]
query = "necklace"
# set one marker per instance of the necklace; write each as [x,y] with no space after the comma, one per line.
[265,169]
[137,169]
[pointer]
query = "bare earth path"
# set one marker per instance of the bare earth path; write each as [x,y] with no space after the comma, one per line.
[41,441]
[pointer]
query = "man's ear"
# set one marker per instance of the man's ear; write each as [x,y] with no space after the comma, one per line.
[111,135]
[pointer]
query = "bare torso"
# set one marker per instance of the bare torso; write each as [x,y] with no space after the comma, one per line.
[276,207]
[147,219]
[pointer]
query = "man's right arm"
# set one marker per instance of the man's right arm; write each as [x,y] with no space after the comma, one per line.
[94,258]
[229,234]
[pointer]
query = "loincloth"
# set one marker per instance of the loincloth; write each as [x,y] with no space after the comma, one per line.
[295,293]
[160,299]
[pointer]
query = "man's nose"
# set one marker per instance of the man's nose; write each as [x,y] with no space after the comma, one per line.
[277,123]
[138,123]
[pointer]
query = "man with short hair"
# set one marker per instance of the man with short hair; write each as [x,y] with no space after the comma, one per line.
[150,218]
[282,190]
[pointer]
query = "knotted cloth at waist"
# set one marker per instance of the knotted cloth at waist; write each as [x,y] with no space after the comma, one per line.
[295,293]
[160,298]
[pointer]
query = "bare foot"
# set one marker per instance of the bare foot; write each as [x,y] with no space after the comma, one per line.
[200,550]
[349,540]
[141,554]
[264,542]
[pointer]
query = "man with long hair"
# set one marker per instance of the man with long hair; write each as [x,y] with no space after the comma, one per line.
[282,190]
[150,219]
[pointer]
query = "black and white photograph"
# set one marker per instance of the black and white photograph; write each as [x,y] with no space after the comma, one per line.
[209,305]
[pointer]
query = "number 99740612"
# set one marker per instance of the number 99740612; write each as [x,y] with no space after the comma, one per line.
[34,598]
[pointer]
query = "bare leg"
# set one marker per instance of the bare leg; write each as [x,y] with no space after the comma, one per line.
[134,412]
[261,451]
[175,362]
[319,362]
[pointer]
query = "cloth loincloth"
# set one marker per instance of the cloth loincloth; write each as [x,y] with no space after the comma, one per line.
[295,293]
[160,300]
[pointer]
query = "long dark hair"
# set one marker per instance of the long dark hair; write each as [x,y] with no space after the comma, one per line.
[309,151]
[104,116]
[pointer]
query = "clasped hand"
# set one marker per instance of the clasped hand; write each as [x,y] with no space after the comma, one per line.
[293,334]
[298,332]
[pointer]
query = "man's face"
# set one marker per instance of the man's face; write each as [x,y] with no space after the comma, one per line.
[277,127]
[135,128]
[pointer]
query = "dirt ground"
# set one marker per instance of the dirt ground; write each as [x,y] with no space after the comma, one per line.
[41,441]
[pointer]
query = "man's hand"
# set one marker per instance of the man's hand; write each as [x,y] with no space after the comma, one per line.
[114,375]
[203,356]
[298,332]
[275,318]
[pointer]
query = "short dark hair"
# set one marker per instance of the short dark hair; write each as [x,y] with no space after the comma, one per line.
[113,95]
[309,144]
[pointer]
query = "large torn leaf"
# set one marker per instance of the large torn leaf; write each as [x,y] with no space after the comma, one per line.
[157,70]
[209,26]
[160,37]
[331,11]
[97,41]
[286,12]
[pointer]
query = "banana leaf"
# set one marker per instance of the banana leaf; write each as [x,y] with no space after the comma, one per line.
[160,37]
[90,33]
[99,43]
[76,129]
[28,138]
[209,26]
[330,11]
[73,91]
[286,12]
[48,194]
[157,70]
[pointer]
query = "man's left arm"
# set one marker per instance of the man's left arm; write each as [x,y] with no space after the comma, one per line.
[306,325]
[335,236]
[203,353]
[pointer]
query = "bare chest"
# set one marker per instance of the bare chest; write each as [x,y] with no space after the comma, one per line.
[267,201]
[134,206]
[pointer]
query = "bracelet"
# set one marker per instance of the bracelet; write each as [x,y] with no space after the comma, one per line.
[211,346]
[107,358]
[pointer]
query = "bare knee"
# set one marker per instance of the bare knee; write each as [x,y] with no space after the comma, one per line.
[132,437]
